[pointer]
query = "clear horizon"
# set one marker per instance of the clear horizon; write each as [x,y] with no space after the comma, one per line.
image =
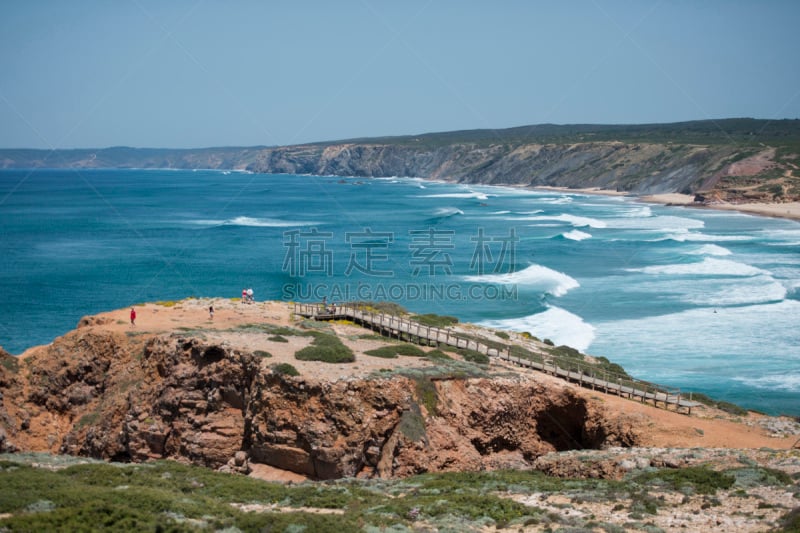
[194,75]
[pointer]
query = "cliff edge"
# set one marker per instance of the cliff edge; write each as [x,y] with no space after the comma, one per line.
[230,394]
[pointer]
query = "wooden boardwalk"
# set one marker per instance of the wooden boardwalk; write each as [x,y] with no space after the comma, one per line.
[583,374]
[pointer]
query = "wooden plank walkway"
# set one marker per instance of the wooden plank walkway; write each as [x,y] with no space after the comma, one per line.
[583,374]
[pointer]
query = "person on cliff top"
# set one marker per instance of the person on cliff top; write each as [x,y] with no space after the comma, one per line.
[133,316]
[211,312]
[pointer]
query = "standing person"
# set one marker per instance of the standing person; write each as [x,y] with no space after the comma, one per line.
[244,296]
[211,312]
[250,295]
[133,316]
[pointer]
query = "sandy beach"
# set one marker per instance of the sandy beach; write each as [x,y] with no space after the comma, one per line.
[790,210]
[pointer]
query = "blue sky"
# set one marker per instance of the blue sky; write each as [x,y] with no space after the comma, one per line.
[228,73]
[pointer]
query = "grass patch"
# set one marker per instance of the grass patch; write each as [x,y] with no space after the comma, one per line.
[169,496]
[502,334]
[473,356]
[10,363]
[700,479]
[262,353]
[412,424]
[433,320]
[277,338]
[285,369]
[392,351]
[327,348]
[437,355]
[167,303]
[389,308]
[728,407]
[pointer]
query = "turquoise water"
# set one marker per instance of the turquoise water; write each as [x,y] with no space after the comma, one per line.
[698,299]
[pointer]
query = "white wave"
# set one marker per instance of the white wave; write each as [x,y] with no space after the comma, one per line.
[252,222]
[783,382]
[556,201]
[556,324]
[447,212]
[756,290]
[642,212]
[685,235]
[549,280]
[710,249]
[576,235]
[471,194]
[707,267]
[575,220]
[500,213]
[667,223]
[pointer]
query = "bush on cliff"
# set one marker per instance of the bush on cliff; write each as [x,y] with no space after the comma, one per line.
[438,321]
[391,352]
[327,348]
[285,369]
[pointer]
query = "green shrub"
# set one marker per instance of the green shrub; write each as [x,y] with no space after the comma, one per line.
[327,348]
[790,522]
[437,354]
[474,356]
[285,369]
[10,363]
[392,351]
[427,394]
[262,353]
[386,352]
[502,335]
[277,338]
[412,425]
[433,320]
[700,478]
[389,308]
[547,341]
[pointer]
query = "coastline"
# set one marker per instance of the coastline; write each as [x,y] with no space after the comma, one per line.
[788,210]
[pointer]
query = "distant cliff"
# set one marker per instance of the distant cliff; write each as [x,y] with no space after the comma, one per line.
[731,159]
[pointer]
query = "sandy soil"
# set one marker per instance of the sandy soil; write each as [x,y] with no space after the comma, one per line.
[789,210]
[704,428]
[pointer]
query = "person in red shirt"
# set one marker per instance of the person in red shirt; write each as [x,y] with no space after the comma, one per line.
[133,316]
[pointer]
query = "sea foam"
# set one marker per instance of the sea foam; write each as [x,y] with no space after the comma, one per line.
[535,276]
[707,267]
[556,324]
[576,221]
[710,249]
[576,235]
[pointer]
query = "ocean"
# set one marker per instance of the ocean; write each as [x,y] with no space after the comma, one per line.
[703,300]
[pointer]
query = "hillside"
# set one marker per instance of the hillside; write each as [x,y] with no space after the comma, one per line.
[732,160]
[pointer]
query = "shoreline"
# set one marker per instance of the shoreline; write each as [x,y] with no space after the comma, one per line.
[788,210]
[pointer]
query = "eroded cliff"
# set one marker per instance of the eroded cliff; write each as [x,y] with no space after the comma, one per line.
[136,397]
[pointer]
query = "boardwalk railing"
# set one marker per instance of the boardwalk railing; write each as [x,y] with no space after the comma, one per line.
[580,372]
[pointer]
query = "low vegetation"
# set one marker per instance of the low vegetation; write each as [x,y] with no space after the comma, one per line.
[285,369]
[393,350]
[169,496]
[438,321]
[325,347]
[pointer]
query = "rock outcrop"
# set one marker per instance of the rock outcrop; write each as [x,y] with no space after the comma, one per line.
[137,397]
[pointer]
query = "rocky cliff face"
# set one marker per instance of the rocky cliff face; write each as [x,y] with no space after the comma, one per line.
[633,167]
[138,397]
